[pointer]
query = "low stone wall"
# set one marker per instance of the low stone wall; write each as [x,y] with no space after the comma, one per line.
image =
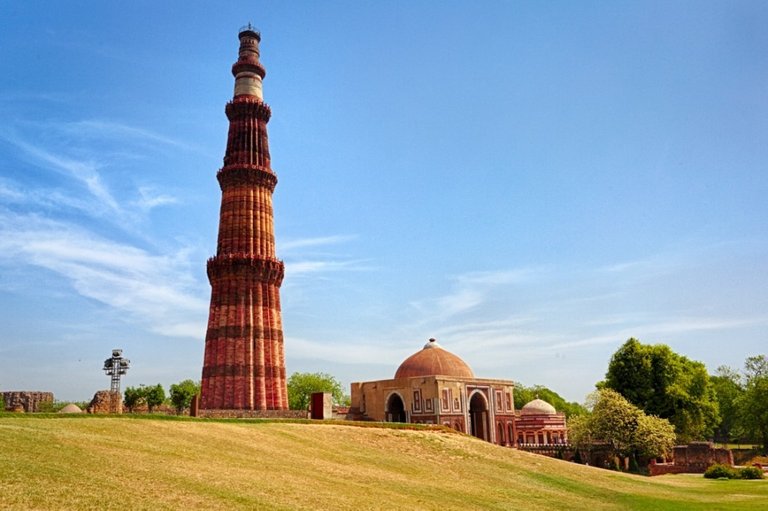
[253,414]
[22,400]
[559,451]
[693,458]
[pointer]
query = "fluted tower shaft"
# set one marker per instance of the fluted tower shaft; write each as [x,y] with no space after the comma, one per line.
[244,364]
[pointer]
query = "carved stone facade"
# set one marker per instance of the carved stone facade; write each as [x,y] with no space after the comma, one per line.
[244,362]
[26,401]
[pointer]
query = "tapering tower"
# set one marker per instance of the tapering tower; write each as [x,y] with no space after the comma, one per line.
[244,365]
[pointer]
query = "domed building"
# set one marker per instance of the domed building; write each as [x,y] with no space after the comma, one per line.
[434,386]
[538,423]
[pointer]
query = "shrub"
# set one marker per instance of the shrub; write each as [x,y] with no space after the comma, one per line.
[751,473]
[718,471]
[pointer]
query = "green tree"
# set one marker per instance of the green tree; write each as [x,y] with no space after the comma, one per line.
[627,430]
[614,420]
[665,384]
[182,394]
[753,403]
[580,434]
[728,386]
[302,385]
[154,396]
[524,395]
[654,437]
[133,397]
[756,367]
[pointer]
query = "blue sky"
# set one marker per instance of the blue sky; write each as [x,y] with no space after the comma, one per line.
[531,183]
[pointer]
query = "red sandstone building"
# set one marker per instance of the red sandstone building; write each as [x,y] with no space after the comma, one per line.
[244,362]
[434,386]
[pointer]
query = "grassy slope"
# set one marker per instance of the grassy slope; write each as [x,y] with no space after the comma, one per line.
[122,463]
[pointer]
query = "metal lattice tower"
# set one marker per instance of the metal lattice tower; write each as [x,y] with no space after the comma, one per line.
[115,367]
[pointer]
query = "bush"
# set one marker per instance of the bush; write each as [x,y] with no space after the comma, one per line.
[725,472]
[751,473]
[718,471]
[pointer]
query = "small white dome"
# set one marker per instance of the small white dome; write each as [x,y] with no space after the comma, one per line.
[538,407]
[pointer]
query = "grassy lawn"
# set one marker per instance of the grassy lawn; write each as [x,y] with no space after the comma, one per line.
[123,463]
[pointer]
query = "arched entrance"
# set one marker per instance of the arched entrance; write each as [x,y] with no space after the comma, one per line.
[395,409]
[478,416]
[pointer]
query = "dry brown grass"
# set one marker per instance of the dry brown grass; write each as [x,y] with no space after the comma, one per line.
[119,463]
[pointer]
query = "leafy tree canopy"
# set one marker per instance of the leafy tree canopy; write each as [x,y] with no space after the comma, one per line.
[182,394]
[663,383]
[524,395]
[153,396]
[753,402]
[728,386]
[623,426]
[302,385]
[133,397]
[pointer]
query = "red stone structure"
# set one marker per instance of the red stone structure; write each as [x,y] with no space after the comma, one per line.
[244,364]
[693,458]
[27,401]
[538,423]
[434,386]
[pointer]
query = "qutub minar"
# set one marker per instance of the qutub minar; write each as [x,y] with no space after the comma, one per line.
[244,364]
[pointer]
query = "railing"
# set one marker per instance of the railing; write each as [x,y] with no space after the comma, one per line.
[249,28]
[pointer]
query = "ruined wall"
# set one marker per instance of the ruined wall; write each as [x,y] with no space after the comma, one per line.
[693,458]
[105,401]
[26,400]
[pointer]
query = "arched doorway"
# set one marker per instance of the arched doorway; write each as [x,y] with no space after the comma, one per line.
[395,409]
[478,416]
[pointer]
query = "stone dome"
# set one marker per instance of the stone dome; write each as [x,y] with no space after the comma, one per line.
[538,407]
[71,408]
[433,360]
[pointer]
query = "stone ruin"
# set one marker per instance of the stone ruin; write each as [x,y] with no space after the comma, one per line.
[105,401]
[693,458]
[25,401]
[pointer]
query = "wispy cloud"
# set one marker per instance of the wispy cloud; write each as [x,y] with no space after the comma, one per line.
[348,352]
[304,268]
[302,260]
[70,150]
[149,199]
[155,290]
[86,172]
[470,291]
[112,130]
[291,245]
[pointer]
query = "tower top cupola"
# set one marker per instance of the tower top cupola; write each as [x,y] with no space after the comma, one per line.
[248,71]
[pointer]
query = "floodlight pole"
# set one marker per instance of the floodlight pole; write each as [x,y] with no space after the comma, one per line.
[115,367]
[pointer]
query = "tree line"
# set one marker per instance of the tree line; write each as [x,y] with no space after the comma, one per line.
[180,397]
[653,398]
[728,406]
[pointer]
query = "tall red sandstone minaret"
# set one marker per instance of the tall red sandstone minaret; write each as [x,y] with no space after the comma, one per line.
[244,366]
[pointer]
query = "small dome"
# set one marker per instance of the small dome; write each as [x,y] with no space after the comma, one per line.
[71,408]
[433,360]
[538,407]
